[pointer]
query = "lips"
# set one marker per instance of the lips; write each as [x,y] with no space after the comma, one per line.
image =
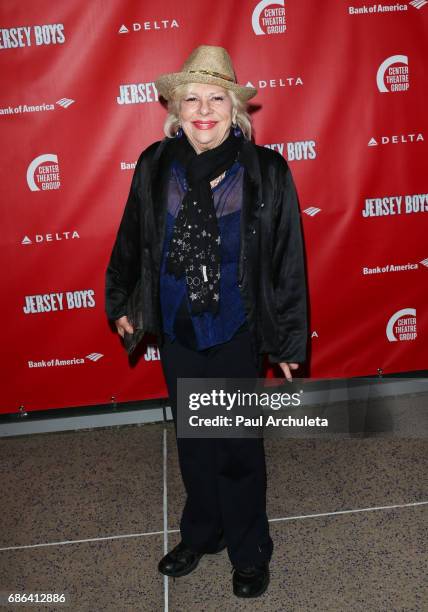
[204,125]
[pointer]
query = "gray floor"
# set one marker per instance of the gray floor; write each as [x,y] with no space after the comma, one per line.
[90,513]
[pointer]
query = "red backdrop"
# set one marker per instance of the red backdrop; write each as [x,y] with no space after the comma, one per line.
[342,95]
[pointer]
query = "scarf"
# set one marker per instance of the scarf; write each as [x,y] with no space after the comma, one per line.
[194,250]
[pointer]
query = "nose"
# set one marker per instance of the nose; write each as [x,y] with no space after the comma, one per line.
[204,107]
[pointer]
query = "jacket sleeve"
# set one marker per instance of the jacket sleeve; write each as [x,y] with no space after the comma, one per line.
[288,267]
[123,267]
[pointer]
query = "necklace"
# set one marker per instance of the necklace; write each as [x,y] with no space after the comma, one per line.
[217,180]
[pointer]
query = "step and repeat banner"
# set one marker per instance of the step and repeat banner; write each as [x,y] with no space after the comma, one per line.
[342,96]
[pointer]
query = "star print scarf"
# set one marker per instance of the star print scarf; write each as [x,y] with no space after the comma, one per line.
[194,250]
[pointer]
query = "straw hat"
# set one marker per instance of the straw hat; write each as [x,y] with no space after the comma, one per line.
[206,64]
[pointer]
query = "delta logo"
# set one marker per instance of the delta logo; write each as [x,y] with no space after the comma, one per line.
[396,139]
[145,26]
[279,82]
[50,237]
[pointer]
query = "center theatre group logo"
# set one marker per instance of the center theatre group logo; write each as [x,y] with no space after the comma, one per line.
[393,78]
[269,17]
[26,36]
[50,302]
[402,326]
[43,173]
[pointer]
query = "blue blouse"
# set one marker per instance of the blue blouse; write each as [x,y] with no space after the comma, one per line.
[209,329]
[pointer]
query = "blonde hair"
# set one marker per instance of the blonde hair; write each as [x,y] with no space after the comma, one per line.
[239,112]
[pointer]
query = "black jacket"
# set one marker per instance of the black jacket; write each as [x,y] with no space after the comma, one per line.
[271,265]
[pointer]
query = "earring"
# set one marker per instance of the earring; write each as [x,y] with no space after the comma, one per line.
[179,133]
[236,130]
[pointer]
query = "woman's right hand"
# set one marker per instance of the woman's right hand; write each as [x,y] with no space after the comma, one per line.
[123,325]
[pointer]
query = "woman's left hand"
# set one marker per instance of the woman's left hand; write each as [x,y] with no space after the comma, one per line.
[287,367]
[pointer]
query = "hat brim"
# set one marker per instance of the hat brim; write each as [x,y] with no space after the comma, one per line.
[166,84]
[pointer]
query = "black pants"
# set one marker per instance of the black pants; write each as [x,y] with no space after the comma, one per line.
[225,479]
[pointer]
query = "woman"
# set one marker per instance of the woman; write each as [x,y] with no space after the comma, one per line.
[211,228]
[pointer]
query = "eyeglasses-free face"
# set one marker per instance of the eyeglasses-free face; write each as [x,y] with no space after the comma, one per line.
[205,114]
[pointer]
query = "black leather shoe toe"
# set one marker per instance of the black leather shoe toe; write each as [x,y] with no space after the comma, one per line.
[251,581]
[180,561]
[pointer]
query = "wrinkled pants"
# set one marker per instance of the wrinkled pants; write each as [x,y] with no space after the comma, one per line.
[225,479]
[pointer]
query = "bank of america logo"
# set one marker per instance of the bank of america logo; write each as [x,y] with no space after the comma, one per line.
[94,356]
[418,3]
[65,102]
[123,30]
[312,211]
[424,262]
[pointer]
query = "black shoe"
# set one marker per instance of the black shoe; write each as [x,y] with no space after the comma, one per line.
[251,581]
[181,560]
